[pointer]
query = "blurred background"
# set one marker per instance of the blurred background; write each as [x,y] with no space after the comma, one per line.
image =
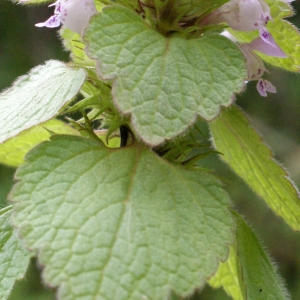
[277,118]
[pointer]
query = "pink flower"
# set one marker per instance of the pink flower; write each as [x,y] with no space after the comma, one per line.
[255,65]
[73,14]
[269,48]
[263,86]
[248,15]
[242,15]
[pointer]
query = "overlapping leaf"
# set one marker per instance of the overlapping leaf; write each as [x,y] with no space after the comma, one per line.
[73,42]
[37,97]
[163,83]
[228,276]
[119,223]
[14,259]
[249,274]
[12,151]
[253,161]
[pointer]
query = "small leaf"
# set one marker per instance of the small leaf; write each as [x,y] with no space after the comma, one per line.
[37,97]
[14,259]
[163,83]
[249,269]
[119,223]
[73,42]
[12,151]
[253,161]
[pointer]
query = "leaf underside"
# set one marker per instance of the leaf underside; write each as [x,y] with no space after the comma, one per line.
[37,97]
[119,223]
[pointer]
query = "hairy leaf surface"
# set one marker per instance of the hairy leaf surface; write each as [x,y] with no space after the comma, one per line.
[119,223]
[37,97]
[14,259]
[12,151]
[253,161]
[249,273]
[163,83]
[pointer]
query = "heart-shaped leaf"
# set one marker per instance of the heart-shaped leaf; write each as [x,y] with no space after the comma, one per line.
[37,97]
[119,223]
[164,83]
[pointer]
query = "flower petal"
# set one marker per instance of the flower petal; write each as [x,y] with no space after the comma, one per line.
[75,14]
[241,15]
[255,65]
[271,49]
[52,22]
[264,86]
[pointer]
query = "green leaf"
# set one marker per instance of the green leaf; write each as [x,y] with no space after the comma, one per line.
[14,259]
[253,161]
[163,83]
[249,269]
[258,273]
[285,34]
[37,97]
[228,276]
[12,151]
[279,9]
[119,223]
[73,42]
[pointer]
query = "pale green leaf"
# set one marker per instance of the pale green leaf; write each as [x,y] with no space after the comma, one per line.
[119,223]
[14,259]
[73,42]
[249,269]
[37,97]
[253,161]
[279,9]
[12,151]
[163,83]
[285,34]
[228,278]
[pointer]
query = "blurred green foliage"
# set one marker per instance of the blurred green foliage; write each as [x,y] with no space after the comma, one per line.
[276,117]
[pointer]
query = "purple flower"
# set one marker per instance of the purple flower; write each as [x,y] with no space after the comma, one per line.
[248,15]
[269,48]
[263,86]
[73,14]
[242,15]
[255,65]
